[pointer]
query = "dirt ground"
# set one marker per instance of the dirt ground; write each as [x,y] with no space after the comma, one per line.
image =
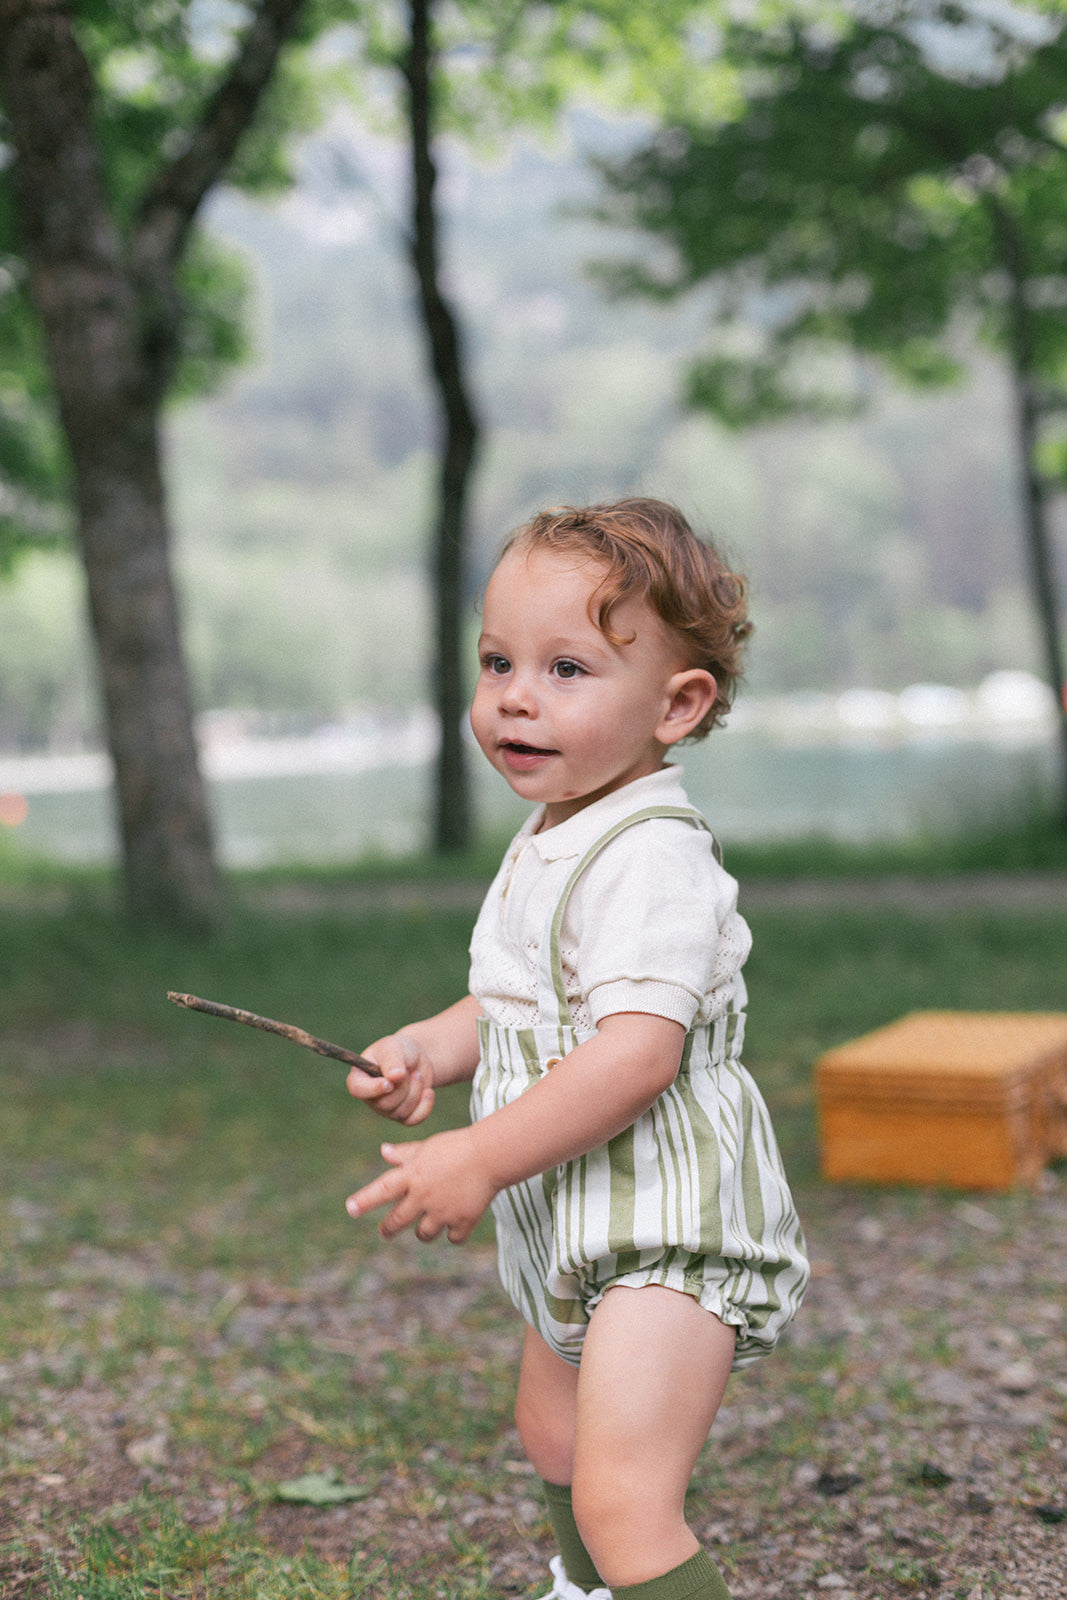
[908,1440]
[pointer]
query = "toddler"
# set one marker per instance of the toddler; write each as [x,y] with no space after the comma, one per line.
[645,1229]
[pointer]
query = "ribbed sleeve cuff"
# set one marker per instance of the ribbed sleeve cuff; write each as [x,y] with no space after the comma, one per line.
[668,1000]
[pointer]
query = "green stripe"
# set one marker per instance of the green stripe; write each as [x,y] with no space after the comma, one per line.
[622,1179]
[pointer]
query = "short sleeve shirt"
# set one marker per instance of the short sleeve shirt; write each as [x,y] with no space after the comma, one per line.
[651,926]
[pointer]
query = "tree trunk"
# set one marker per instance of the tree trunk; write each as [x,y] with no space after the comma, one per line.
[457,451]
[110,312]
[1035,499]
[168,858]
[107,391]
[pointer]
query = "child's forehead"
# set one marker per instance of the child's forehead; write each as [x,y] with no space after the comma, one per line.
[537,576]
[533,586]
[559,572]
[541,561]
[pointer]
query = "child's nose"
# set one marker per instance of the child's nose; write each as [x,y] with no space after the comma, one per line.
[516,696]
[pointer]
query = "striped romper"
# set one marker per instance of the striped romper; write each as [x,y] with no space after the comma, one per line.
[693,1196]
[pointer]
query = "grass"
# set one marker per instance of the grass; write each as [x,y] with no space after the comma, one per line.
[181,1269]
[1030,840]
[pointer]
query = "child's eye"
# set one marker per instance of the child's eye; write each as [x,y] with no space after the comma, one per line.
[496,664]
[568,669]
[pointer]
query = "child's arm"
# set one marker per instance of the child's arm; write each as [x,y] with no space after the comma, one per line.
[418,1059]
[600,1088]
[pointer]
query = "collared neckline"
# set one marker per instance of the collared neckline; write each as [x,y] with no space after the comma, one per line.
[573,837]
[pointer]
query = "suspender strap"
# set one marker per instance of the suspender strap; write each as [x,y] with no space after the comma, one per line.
[552,1000]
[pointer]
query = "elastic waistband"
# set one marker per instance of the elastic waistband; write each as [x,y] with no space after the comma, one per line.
[707,1045]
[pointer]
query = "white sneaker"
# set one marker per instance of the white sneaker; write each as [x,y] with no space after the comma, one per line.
[563,1589]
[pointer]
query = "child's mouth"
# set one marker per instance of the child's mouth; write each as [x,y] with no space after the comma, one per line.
[520,756]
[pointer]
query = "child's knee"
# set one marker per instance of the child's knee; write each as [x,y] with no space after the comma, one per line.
[547,1439]
[614,1506]
[604,1506]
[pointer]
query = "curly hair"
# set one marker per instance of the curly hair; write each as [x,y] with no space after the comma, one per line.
[652,554]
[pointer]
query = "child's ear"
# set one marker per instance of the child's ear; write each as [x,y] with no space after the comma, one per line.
[691,696]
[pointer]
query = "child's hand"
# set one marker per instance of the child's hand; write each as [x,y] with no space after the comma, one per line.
[404,1091]
[435,1184]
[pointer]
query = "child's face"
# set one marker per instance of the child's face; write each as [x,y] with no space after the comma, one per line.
[563,713]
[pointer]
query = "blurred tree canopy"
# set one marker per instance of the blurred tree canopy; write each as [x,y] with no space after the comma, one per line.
[118,119]
[895,180]
[153,70]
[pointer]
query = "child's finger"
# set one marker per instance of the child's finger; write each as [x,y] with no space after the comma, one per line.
[364,1087]
[405,1212]
[422,1108]
[384,1190]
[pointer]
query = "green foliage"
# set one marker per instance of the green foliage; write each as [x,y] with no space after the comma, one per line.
[155,70]
[868,194]
[156,67]
[42,653]
[214,284]
[321,1489]
[1031,842]
[33,462]
[516,62]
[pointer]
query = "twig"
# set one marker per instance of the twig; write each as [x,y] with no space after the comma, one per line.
[287,1030]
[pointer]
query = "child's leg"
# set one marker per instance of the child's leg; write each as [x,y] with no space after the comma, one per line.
[546,1408]
[545,1412]
[654,1368]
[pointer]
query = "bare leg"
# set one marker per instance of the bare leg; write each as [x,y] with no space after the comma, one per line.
[654,1368]
[545,1412]
[546,1408]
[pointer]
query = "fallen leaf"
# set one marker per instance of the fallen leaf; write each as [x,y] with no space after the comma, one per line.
[320,1489]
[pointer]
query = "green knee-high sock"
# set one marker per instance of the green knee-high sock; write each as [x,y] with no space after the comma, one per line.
[577,1562]
[696,1579]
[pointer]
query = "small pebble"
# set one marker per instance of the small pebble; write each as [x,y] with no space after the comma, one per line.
[149,1452]
[1018,1377]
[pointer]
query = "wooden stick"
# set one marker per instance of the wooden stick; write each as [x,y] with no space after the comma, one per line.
[287,1030]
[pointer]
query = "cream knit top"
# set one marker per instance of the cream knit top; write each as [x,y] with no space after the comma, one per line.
[654,917]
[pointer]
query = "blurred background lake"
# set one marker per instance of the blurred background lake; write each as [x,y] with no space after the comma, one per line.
[859,766]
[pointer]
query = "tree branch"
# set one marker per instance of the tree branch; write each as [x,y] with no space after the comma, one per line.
[286,1030]
[172,200]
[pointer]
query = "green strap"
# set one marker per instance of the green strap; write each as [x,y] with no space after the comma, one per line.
[683,813]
